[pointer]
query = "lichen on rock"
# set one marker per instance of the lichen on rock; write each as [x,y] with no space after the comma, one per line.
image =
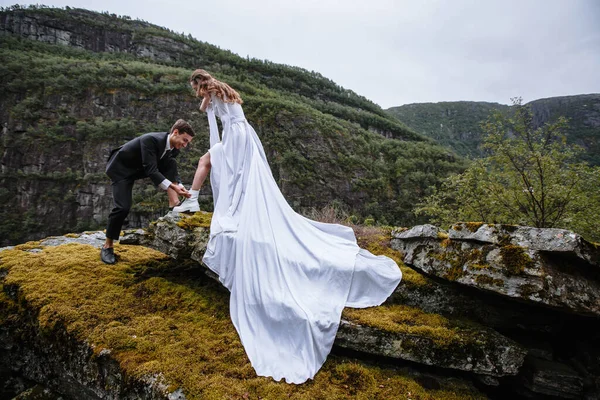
[512,261]
[515,259]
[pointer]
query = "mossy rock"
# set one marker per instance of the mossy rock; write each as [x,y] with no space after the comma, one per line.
[474,226]
[515,259]
[408,333]
[199,219]
[550,267]
[156,322]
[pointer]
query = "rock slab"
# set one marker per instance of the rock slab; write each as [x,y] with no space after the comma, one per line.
[548,267]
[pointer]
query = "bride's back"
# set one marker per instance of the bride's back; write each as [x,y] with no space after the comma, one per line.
[227,110]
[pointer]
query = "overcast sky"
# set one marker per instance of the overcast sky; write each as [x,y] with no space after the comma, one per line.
[395,52]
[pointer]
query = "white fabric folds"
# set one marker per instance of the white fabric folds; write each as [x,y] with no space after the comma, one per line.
[289,277]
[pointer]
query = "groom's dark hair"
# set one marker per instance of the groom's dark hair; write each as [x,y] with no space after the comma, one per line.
[183,127]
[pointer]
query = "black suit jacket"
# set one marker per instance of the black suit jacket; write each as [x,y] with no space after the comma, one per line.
[140,158]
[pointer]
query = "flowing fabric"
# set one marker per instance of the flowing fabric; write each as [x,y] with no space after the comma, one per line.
[289,277]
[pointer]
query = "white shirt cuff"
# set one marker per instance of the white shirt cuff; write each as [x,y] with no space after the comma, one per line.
[164,185]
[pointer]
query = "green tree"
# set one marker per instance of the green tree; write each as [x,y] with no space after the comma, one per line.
[529,177]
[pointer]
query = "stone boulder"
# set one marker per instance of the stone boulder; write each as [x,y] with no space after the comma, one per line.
[552,267]
[551,240]
[552,379]
[482,351]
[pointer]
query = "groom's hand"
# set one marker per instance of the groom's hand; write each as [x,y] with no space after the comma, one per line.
[180,190]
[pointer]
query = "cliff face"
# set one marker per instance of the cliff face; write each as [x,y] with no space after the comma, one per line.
[93,31]
[456,124]
[54,184]
[583,113]
[77,83]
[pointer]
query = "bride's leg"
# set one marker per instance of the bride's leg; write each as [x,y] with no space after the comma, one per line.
[191,203]
[201,172]
[173,197]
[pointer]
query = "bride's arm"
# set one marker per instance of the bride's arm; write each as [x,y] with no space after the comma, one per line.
[205,102]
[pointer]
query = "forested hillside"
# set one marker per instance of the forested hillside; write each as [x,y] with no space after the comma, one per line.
[457,124]
[76,83]
[452,124]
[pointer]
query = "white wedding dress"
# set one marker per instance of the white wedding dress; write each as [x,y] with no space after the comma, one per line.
[289,277]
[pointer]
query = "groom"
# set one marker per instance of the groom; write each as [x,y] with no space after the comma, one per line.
[150,155]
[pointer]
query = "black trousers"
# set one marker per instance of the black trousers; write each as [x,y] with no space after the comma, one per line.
[122,197]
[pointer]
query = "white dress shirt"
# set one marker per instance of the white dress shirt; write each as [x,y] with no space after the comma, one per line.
[164,185]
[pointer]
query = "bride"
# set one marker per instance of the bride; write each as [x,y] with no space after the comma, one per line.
[289,277]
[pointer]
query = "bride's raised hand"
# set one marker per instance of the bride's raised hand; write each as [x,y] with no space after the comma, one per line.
[205,103]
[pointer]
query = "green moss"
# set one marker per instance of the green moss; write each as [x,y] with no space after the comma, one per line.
[200,219]
[477,266]
[401,229]
[454,257]
[474,254]
[446,242]
[488,280]
[515,259]
[509,228]
[29,246]
[474,226]
[528,289]
[455,272]
[377,241]
[355,377]
[504,239]
[459,260]
[179,327]
[442,331]
[456,265]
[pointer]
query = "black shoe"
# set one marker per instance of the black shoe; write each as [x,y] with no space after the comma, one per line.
[107,255]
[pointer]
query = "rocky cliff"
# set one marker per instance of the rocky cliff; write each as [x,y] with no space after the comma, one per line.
[76,83]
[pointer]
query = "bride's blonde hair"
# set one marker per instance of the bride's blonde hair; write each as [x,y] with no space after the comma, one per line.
[205,84]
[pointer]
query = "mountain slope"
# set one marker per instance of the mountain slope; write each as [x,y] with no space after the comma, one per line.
[456,124]
[77,83]
[452,124]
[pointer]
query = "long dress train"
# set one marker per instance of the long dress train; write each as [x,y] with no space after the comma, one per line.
[289,277]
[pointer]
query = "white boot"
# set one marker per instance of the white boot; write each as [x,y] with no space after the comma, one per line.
[189,204]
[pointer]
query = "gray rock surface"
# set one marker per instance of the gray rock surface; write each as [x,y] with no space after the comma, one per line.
[95,239]
[541,239]
[488,354]
[166,236]
[420,231]
[552,379]
[499,260]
